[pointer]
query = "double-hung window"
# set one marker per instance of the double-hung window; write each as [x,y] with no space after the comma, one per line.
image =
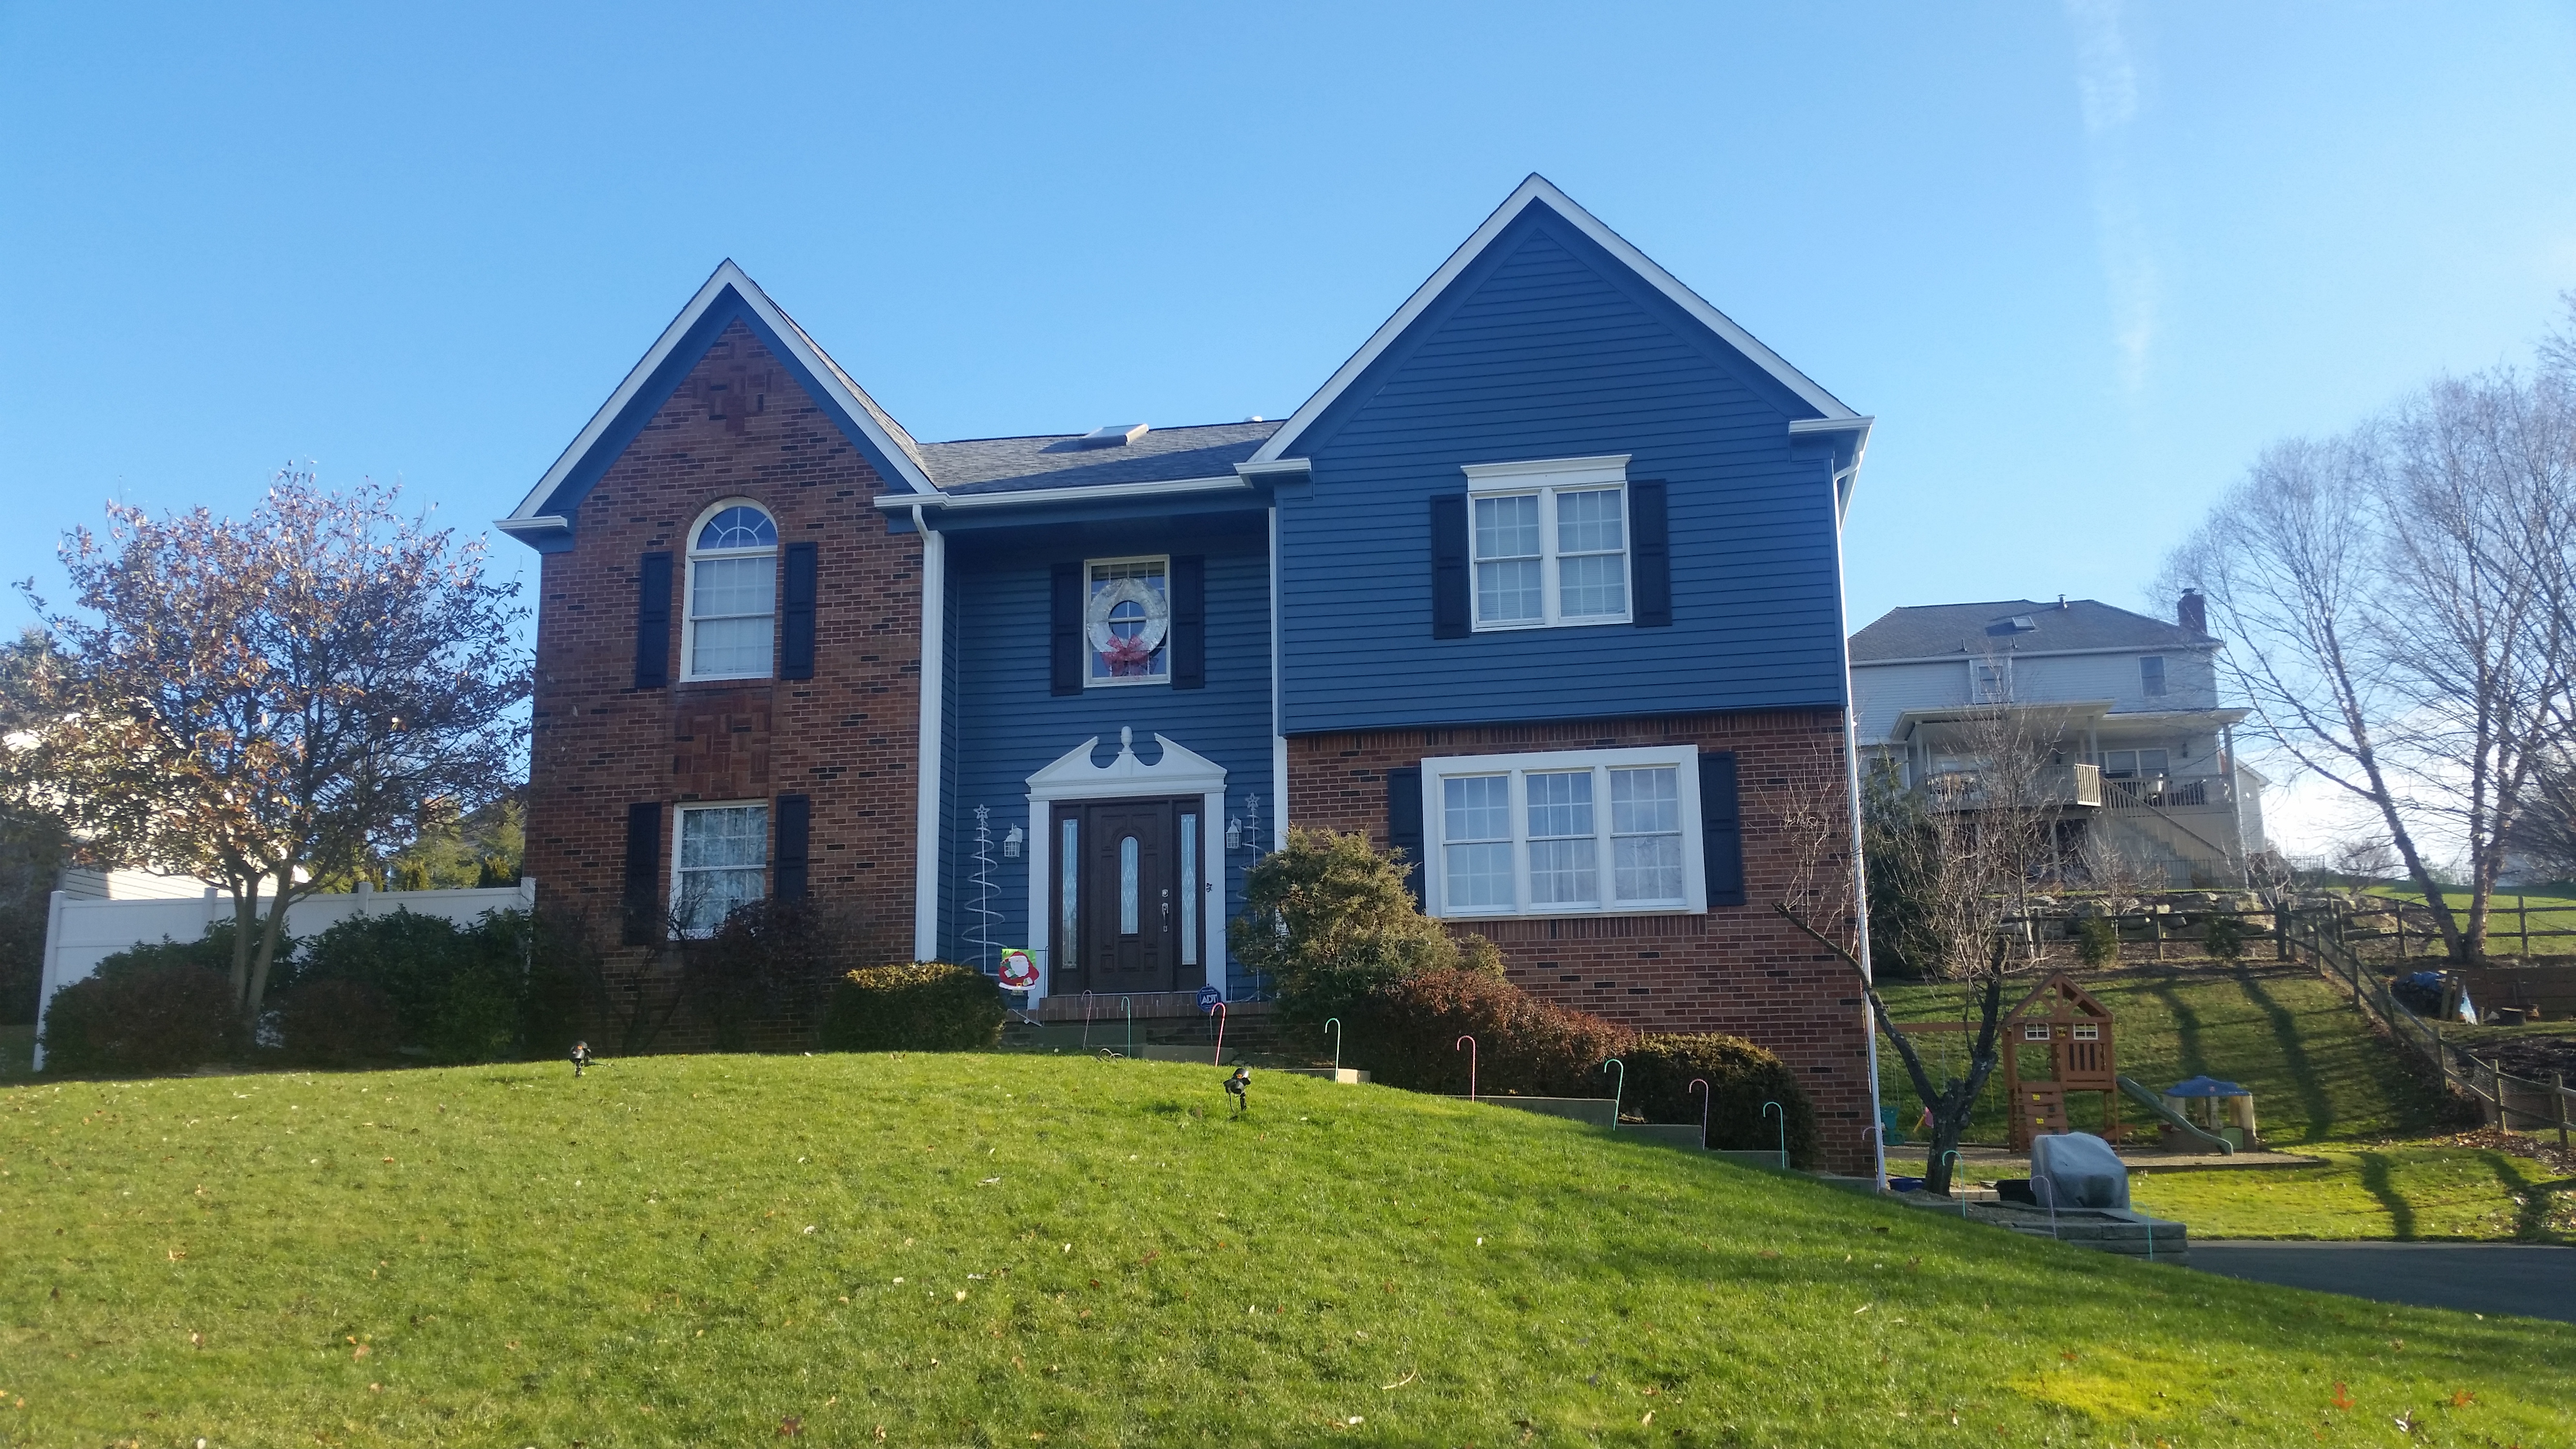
[1549,542]
[1600,831]
[722,862]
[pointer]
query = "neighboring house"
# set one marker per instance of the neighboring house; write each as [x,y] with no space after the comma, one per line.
[2128,704]
[1541,587]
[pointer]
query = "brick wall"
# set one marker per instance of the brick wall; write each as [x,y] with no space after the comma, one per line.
[1740,970]
[738,427]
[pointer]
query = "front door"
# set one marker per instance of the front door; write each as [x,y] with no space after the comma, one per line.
[1131,884]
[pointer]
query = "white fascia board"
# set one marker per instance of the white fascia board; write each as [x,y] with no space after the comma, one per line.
[1530,192]
[1961,656]
[542,523]
[727,277]
[1276,470]
[1165,488]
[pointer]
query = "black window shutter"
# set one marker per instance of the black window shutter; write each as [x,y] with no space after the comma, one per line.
[1650,555]
[1189,622]
[1721,828]
[643,923]
[795,815]
[796,615]
[1449,581]
[653,622]
[1064,629]
[1404,823]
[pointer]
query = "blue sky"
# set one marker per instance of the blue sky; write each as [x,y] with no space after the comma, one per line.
[2080,261]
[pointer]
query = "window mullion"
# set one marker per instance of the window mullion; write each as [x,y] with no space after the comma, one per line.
[1517,793]
[1605,873]
[1548,568]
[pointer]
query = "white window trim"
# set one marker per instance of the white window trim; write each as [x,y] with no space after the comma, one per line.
[1165,678]
[1542,479]
[1435,876]
[680,831]
[689,556]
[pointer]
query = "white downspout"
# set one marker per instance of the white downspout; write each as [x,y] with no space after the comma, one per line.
[1278,700]
[934,675]
[1859,863]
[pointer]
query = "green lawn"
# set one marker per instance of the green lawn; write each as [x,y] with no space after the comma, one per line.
[1028,1250]
[2412,1191]
[2317,1072]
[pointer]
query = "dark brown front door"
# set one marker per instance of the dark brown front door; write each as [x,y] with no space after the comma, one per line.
[1128,920]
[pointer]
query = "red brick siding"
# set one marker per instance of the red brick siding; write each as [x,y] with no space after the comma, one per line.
[1739,970]
[847,737]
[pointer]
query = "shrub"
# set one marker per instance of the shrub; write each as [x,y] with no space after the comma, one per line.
[2224,937]
[454,991]
[766,961]
[920,1006]
[2097,941]
[147,1010]
[1405,1032]
[1741,1078]
[1328,918]
[334,1023]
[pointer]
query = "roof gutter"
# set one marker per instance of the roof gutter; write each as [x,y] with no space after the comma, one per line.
[1101,492]
[1962,655]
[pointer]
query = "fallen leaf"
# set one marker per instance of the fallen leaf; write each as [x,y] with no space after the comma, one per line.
[2068,1355]
[2342,1397]
[1772,1253]
[1857,1312]
[1650,1418]
[1399,1383]
[2463,1399]
[790,1426]
[361,1353]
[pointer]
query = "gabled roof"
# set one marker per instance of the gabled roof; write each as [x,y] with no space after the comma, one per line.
[727,295]
[2066,999]
[1059,460]
[1831,414]
[1933,631]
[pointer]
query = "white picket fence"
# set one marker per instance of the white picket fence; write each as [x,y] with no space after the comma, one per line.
[80,933]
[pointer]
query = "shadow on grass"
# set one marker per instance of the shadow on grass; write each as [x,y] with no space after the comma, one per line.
[2187,1048]
[2532,1196]
[2294,1055]
[2380,1183]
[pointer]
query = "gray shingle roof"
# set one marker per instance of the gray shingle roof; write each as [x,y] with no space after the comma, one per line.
[1003,465]
[1931,630]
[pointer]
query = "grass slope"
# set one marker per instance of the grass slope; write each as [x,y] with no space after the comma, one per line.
[1024,1251]
[2318,1073]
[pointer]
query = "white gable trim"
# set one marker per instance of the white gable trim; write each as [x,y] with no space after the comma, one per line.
[1535,190]
[826,373]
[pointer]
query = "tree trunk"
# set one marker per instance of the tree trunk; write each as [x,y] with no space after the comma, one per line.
[270,930]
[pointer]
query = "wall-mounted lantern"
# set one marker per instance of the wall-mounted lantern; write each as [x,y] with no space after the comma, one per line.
[1011,844]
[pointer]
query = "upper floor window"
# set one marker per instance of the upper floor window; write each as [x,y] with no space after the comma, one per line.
[2151,674]
[733,594]
[1566,831]
[1127,621]
[1992,679]
[1549,542]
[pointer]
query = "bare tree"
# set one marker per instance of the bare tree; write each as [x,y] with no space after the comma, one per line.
[267,702]
[2400,604]
[1986,832]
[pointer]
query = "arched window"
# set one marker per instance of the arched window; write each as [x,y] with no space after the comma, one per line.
[733,594]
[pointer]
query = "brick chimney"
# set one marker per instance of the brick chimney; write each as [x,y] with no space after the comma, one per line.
[2192,611]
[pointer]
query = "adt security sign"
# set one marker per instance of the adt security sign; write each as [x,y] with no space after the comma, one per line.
[1209,996]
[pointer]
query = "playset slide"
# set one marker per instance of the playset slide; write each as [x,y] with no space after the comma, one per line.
[2175,1120]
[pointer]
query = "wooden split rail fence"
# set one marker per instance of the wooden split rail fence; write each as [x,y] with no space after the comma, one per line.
[2503,1095]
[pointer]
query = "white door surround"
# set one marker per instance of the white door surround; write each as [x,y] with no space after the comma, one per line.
[1179,771]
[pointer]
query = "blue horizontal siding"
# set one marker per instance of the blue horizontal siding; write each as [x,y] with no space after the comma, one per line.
[1548,347]
[1005,725]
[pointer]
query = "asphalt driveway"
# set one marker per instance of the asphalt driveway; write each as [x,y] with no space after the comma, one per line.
[2530,1280]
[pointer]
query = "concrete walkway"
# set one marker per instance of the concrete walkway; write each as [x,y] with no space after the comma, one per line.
[2528,1279]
